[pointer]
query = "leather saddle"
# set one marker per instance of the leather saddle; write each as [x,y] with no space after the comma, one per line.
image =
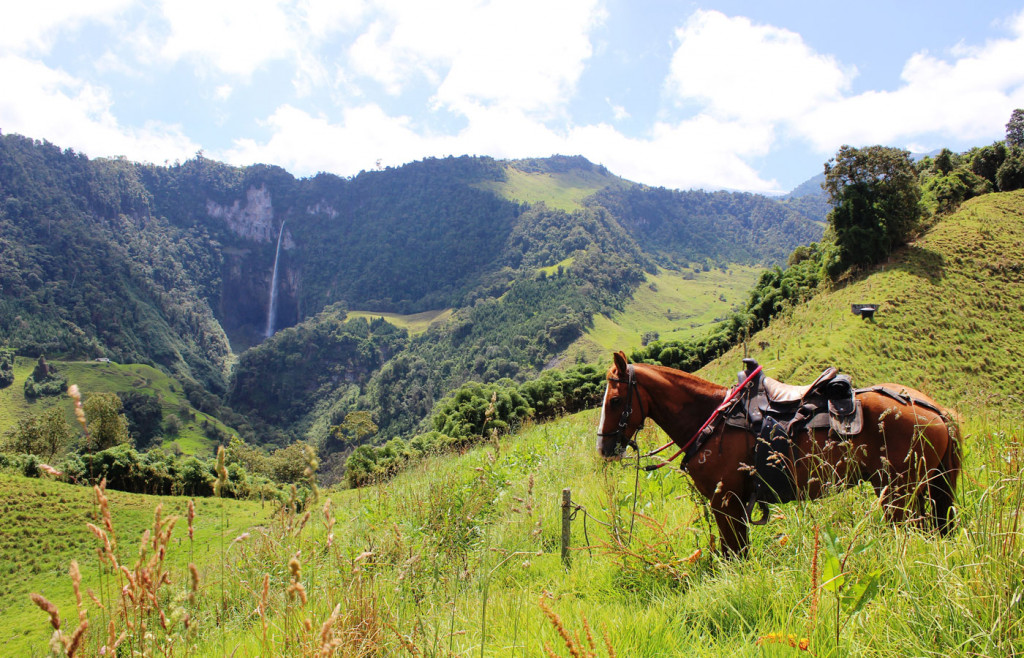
[798,406]
[776,412]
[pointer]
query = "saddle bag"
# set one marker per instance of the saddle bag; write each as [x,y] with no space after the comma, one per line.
[773,463]
[844,412]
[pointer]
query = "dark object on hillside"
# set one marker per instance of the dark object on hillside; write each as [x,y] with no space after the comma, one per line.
[865,311]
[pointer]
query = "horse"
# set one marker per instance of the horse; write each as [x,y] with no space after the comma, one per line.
[907,449]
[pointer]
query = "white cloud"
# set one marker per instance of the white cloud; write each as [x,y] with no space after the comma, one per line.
[305,144]
[524,54]
[34,26]
[235,36]
[966,98]
[737,69]
[699,153]
[42,102]
[618,112]
[326,17]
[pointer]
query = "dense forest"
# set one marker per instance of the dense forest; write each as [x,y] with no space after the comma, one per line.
[172,266]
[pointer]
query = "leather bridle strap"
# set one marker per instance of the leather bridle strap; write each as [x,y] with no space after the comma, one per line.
[628,411]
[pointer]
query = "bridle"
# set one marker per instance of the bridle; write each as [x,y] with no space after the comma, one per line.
[620,433]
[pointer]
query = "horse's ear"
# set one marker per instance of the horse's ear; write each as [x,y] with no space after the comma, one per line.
[620,361]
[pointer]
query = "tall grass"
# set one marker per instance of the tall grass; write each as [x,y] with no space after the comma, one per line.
[461,556]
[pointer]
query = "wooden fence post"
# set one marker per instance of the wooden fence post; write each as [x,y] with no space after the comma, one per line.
[566,525]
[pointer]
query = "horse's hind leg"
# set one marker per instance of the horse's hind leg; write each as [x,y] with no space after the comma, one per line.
[942,486]
[903,496]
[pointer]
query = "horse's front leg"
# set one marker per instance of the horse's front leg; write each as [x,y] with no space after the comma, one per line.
[731,518]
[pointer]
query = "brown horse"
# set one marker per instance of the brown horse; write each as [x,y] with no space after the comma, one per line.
[907,448]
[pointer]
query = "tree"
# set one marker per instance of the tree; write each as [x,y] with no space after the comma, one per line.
[1011,172]
[357,426]
[107,425]
[875,198]
[47,435]
[1015,128]
[6,367]
[145,416]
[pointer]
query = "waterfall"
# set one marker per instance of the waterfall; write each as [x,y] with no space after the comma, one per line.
[272,308]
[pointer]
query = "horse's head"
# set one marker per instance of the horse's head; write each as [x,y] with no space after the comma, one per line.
[622,413]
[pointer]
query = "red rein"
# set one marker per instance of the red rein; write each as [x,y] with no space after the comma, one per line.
[722,407]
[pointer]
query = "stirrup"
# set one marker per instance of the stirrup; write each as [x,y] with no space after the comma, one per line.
[749,506]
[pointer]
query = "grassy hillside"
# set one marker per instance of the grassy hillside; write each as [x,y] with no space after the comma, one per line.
[461,556]
[951,306]
[42,528]
[562,187]
[415,323]
[96,377]
[675,304]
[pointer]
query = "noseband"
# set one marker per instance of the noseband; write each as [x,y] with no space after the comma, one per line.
[620,433]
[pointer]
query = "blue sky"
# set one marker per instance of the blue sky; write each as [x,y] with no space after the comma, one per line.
[751,96]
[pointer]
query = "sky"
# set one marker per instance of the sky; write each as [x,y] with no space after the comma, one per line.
[739,95]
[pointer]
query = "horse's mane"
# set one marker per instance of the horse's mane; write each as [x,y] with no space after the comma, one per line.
[682,378]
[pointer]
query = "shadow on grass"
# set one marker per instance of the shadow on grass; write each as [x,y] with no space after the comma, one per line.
[922,263]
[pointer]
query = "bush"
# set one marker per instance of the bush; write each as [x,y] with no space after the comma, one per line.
[1010,175]
[6,367]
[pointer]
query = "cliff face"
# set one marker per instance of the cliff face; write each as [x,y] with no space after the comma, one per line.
[249,267]
[251,220]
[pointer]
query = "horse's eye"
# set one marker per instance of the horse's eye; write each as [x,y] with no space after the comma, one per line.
[616,400]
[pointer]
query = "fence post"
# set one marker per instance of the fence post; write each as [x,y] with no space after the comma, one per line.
[566,525]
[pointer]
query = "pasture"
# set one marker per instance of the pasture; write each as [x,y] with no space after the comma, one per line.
[461,556]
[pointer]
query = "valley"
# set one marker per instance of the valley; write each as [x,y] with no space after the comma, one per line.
[467,439]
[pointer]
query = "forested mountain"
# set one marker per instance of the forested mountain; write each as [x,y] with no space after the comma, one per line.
[174,266]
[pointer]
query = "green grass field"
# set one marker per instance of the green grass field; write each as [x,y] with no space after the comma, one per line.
[677,305]
[562,191]
[43,528]
[96,377]
[415,323]
[461,556]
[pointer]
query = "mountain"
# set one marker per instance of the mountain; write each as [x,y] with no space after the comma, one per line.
[189,267]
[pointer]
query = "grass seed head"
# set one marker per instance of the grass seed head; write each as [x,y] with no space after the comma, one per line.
[48,608]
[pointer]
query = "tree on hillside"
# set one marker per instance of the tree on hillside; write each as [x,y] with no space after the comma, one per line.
[107,425]
[47,435]
[1015,128]
[875,198]
[357,427]
[144,414]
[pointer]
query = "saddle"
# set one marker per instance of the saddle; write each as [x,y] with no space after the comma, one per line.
[776,412]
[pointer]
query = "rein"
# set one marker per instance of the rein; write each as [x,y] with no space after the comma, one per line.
[708,423]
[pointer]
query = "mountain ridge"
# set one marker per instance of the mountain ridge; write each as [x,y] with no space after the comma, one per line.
[172,265]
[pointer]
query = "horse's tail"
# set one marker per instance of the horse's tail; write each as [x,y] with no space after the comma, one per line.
[942,488]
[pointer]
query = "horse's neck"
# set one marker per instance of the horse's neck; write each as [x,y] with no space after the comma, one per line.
[680,402]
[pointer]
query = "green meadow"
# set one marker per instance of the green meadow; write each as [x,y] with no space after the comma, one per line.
[563,191]
[415,323]
[461,555]
[676,305]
